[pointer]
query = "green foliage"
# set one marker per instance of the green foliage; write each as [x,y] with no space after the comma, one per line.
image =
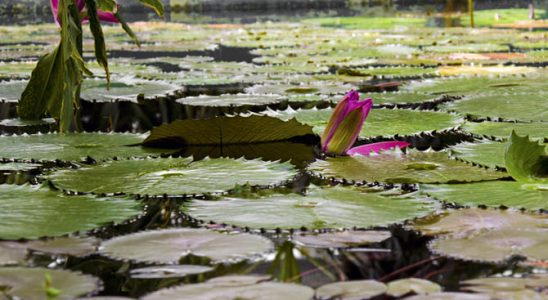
[526,161]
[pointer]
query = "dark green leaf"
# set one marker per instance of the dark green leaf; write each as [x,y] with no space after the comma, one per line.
[127,29]
[156,5]
[97,31]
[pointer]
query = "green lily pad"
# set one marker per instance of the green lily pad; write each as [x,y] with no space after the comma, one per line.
[398,288]
[74,146]
[485,153]
[310,88]
[495,246]
[492,193]
[231,100]
[532,107]
[413,167]
[28,283]
[388,72]
[169,245]
[49,213]
[171,176]
[450,296]
[526,160]
[126,89]
[380,122]
[341,239]
[169,271]
[400,98]
[502,130]
[74,246]
[335,207]
[19,126]
[508,287]
[348,290]
[16,166]
[468,222]
[236,287]
[12,90]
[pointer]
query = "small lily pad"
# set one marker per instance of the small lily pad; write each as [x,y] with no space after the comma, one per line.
[485,153]
[349,290]
[335,207]
[171,176]
[236,287]
[502,130]
[169,245]
[341,239]
[28,283]
[413,167]
[126,89]
[50,213]
[398,288]
[169,271]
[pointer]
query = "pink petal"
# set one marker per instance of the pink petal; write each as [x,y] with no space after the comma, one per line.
[376,147]
[80,4]
[54,7]
[107,17]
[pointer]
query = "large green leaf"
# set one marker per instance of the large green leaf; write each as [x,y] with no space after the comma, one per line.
[226,131]
[492,193]
[30,283]
[171,176]
[168,246]
[502,130]
[48,213]
[520,107]
[236,287]
[74,147]
[526,161]
[336,207]
[380,122]
[413,167]
[485,153]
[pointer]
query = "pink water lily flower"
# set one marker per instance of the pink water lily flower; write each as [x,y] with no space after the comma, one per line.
[345,125]
[80,4]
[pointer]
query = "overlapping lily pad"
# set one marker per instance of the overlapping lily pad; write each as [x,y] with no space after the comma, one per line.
[49,213]
[171,176]
[169,271]
[412,167]
[341,239]
[380,122]
[485,153]
[237,100]
[336,207]
[74,146]
[68,245]
[508,287]
[28,283]
[236,287]
[126,89]
[169,245]
[502,130]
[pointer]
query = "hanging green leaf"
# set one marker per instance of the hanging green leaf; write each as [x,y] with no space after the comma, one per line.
[526,161]
[156,5]
[97,31]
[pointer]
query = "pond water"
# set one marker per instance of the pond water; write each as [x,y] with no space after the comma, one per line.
[200,172]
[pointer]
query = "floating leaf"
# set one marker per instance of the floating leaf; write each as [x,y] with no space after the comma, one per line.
[336,207]
[28,283]
[311,88]
[15,166]
[349,290]
[485,153]
[236,287]
[169,271]
[171,176]
[400,98]
[169,245]
[49,213]
[74,246]
[506,287]
[126,89]
[11,254]
[380,122]
[341,239]
[526,161]
[11,90]
[466,222]
[231,100]
[413,167]
[484,71]
[502,130]
[495,246]
[226,131]
[492,193]
[398,288]
[74,146]
[450,296]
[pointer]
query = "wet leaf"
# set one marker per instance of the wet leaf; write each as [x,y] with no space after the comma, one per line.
[398,288]
[485,153]
[169,271]
[341,239]
[502,130]
[526,161]
[125,89]
[351,290]
[169,245]
[74,246]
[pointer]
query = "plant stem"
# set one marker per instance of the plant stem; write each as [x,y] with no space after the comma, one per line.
[471,12]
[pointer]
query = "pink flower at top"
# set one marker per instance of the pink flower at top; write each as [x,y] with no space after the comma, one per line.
[80,4]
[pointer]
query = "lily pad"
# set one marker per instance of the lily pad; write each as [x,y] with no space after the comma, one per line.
[450,296]
[508,287]
[12,90]
[398,288]
[171,176]
[16,166]
[335,207]
[341,239]
[74,246]
[485,153]
[526,160]
[230,100]
[502,130]
[413,167]
[467,222]
[49,213]
[28,283]
[74,146]
[495,246]
[380,122]
[310,88]
[492,194]
[351,290]
[169,245]
[484,71]
[532,107]
[126,89]
[169,271]
[400,98]
[236,287]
